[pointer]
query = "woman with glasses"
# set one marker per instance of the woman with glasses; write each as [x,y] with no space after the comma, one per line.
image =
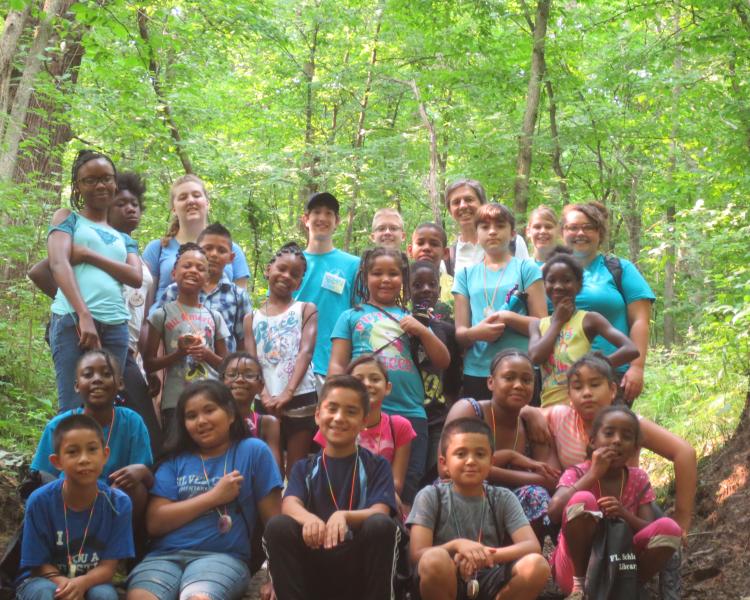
[90,261]
[612,286]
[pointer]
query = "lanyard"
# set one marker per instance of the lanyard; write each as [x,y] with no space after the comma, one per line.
[330,487]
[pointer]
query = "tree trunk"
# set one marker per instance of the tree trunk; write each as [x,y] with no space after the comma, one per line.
[359,137]
[633,221]
[15,22]
[311,159]
[556,151]
[525,140]
[670,234]
[14,129]
[167,115]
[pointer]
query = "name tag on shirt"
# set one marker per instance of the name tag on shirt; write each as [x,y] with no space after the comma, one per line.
[334,283]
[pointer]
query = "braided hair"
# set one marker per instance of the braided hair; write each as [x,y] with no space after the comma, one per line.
[81,159]
[187,247]
[294,250]
[360,290]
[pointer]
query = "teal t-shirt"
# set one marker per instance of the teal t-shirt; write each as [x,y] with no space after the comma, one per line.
[470,282]
[369,329]
[600,294]
[101,292]
[327,283]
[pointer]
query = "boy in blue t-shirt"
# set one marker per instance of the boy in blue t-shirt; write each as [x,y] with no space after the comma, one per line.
[329,277]
[75,529]
[335,537]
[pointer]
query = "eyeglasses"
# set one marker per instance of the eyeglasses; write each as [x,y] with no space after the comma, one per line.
[92,181]
[384,228]
[235,375]
[585,228]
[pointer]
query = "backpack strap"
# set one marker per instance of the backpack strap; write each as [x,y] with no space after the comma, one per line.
[614,266]
[477,408]
[439,511]
[500,532]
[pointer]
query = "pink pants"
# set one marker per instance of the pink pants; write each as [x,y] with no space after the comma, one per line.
[663,532]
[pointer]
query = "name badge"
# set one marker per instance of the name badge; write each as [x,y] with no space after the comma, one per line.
[333,283]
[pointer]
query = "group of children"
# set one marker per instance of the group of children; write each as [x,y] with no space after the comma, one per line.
[364,351]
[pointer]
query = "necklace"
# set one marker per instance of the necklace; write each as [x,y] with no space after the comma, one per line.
[518,428]
[490,304]
[472,586]
[622,485]
[330,487]
[71,566]
[225,521]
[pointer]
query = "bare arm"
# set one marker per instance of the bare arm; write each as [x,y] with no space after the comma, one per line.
[272,437]
[639,316]
[435,349]
[152,362]
[41,276]
[595,324]
[129,272]
[487,330]
[250,346]
[341,354]
[682,454]
[524,542]
[306,347]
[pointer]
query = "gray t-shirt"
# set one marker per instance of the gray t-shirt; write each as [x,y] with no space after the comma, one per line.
[460,516]
[173,320]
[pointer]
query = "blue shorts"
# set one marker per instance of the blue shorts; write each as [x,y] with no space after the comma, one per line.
[41,588]
[187,573]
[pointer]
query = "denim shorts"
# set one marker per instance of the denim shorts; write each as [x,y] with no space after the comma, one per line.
[186,573]
[40,588]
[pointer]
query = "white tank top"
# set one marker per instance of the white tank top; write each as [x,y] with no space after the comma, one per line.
[278,340]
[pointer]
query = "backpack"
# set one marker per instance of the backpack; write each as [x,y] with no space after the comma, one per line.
[612,572]
[614,266]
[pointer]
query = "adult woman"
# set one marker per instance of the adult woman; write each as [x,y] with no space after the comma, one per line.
[462,199]
[189,204]
[543,231]
[627,306]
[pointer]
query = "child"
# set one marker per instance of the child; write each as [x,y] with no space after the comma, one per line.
[382,326]
[457,549]
[329,276]
[383,435]
[75,529]
[128,452]
[543,230]
[281,333]
[591,388]
[558,341]
[243,375]
[204,502]
[441,386]
[219,292]
[89,261]
[517,463]
[193,335]
[485,323]
[335,537]
[605,484]
[429,243]
[124,215]
[388,229]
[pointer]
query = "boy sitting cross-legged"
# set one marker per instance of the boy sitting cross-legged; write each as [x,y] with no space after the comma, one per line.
[75,529]
[335,537]
[458,528]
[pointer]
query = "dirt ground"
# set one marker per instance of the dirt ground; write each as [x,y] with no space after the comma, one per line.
[716,563]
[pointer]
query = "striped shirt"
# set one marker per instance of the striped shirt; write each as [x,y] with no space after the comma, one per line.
[569,435]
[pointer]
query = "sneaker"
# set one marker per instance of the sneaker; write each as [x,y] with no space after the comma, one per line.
[577,595]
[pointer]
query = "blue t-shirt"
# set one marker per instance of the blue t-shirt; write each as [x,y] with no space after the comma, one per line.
[110,534]
[101,292]
[129,443]
[327,283]
[373,483]
[160,261]
[182,477]
[369,329]
[600,294]
[470,282]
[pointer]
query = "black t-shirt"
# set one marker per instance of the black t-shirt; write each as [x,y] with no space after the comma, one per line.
[439,383]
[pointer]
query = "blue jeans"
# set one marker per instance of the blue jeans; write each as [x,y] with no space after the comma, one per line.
[41,588]
[63,340]
[417,459]
[186,573]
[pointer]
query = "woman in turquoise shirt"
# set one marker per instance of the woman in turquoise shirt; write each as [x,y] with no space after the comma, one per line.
[627,307]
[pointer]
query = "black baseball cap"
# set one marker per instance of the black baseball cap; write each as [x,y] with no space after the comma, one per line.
[322,199]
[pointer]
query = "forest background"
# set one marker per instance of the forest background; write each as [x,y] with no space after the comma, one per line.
[642,105]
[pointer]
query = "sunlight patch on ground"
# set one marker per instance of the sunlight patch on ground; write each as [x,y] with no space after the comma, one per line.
[736,481]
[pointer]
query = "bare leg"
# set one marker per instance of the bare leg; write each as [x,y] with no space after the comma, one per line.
[140,595]
[579,534]
[297,447]
[528,578]
[651,561]
[437,575]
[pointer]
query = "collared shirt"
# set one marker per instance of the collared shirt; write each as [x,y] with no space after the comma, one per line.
[468,254]
[227,299]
